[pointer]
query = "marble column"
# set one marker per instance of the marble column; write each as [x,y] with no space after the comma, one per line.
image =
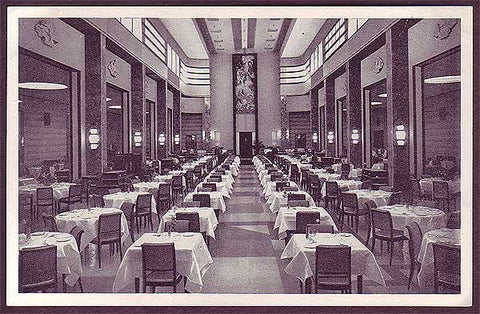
[330,115]
[138,108]
[354,110]
[95,102]
[176,120]
[315,129]
[162,117]
[397,104]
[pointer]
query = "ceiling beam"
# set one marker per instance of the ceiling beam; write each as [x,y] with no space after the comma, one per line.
[283,35]
[204,33]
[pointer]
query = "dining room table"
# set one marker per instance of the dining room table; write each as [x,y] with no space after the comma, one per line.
[425,255]
[208,219]
[287,218]
[87,220]
[60,190]
[149,187]
[271,187]
[69,263]
[301,251]
[280,199]
[227,178]
[426,185]
[192,260]
[381,198]
[216,199]
[117,199]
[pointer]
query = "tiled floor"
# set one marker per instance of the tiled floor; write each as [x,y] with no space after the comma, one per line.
[246,252]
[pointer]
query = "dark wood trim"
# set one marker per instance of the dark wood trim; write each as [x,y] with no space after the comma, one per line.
[282,34]
[205,34]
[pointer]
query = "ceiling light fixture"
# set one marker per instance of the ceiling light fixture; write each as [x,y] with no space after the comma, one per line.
[443,79]
[42,85]
[115,107]
[376,103]
[108,99]
[244,24]
[382,95]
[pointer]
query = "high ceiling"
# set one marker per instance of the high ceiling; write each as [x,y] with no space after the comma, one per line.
[201,37]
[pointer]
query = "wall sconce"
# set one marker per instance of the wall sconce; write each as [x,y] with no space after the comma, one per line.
[137,138]
[355,136]
[161,139]
[93,138]
[400,135]
[315,137]
[176,139]
[330,137]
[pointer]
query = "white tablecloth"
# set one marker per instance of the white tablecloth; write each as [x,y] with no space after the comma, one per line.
[192,256]
[60,190]
[286,219]
[68,256]
[328,176]
[149,187]
[302,265]
[425,255]
[427,218]
[227,178]
[381,198]
[271,187]
[216,199]
[88,222]
[208,219]
[278,199]
[117,199]
[426,185]
[349,184]
[221,187]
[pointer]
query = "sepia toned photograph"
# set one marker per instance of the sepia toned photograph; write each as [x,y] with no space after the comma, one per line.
[168,156]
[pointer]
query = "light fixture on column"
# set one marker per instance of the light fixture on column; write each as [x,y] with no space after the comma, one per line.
[330,137]
[355,136]
[137,138]
[93,138]
[244,23]
[400,135]
[161,139]
[176,139]
[315,137]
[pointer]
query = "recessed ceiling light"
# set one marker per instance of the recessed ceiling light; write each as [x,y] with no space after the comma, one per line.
[108,99]
[443,79]
[19,101]
[382,95]
[115,107]
[376,103]
[344,109]
[42,85]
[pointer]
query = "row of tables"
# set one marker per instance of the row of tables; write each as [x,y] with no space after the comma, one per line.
[432,222]
[193,257]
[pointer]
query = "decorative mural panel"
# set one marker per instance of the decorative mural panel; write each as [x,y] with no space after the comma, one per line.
[245,83]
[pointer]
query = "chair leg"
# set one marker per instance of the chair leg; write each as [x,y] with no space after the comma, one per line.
[99,252]
[412,267]
[368,232]
[356,224]
[120,249]
[80,284]
[391,252]
[373,244]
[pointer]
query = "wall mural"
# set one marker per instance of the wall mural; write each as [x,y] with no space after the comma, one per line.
[245,83]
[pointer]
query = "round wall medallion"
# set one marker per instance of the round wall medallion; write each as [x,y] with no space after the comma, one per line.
[378,65]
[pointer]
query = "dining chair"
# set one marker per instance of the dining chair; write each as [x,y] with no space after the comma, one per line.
[96,200]
[191,204]
[333,269]
[108,232]
[25,201]
[212,186]
[441,194]
[37,269]
[49,222]
[214,179]
[85,188]
[366,185]
[189,180]
[197,171]
[163,198]
[279,185]
[159,266]
[77,233]
[345,171]
[203,189]
[446,266]
[351,210]
[298,203]
[303,218]
[143,210]
[320,228]
[193,218]
[296,196]
[382,229]
[395,198]
[414,243]
[178,225]
[74,196]
[315,189]
[369,205]
[203,198]
[290,189]
[415,191]
[177,186]
[305,180]
[45,199]
[294,173]
[332,195]
[454,220]
[128,210]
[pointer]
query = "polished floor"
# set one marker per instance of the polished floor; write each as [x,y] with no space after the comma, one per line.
[246,252]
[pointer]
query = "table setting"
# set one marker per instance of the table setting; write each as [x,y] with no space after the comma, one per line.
[117,199]
[208,219]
